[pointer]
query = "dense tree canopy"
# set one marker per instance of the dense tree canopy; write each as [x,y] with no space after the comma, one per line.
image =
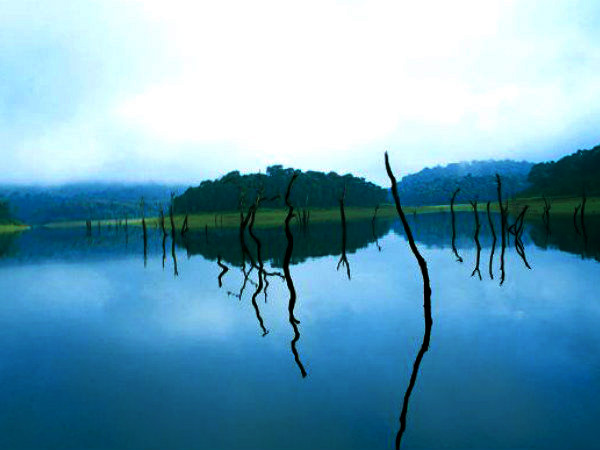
[311,189]
[571,175]
[5,214]
[476,180]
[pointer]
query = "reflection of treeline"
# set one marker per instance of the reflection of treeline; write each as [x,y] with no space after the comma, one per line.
[322,239]
[72,244]
[564,237]
[435,230]
[312,189]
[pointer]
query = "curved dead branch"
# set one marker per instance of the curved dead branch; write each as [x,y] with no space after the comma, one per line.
[426,301]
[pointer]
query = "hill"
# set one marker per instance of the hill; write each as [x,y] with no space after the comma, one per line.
[569,176]
[311,189]
[79,201]
[476,180]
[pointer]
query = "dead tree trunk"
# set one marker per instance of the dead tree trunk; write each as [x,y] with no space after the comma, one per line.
[458,257]
[503,219]
[476,238]
[426,302]
[343,258]
[288,277]
[373,228]
[185,227]
[583,229]
[491,263]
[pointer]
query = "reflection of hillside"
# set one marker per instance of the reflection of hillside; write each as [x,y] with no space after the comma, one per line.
[321,239]
[563,237]
[7,244]
[72,244]
[435,230]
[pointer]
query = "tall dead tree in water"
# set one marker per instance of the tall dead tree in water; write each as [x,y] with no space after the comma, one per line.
[476,238]
[489,216]
[583,230]
[458,257]
[373,228]
[144,230]
[575,217]
[343,258]
[185,227]
[503,219]
[171,218]
[288,277]
[161,223]
[426,302]
[546,214]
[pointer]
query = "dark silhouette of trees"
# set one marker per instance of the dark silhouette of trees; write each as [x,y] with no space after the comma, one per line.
[313,189]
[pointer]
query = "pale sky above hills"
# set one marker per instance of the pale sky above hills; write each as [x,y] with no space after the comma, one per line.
[181,91]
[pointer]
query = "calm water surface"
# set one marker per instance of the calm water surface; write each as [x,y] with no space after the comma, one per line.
[101,351]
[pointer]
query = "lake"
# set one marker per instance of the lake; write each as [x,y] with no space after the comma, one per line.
[103,348]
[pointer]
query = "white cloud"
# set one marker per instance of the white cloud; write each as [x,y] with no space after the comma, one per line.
[328,85]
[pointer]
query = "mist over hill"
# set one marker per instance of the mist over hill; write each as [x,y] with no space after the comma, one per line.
[79,201]
[476,180]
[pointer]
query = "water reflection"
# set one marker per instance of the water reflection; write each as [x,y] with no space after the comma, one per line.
[288,277]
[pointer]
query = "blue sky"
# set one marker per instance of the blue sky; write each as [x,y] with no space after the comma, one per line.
[181,91]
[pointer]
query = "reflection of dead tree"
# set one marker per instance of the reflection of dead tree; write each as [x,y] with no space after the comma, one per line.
[458,257]
[260,268]
[224,270]
[247,280]
[288,277]
[503,219]
[516,229]
[426,302]
[174,256]
[546,214]
[476,237]
[373,228]
[343,258]
[489,216]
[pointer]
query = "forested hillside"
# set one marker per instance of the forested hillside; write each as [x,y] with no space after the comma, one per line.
[80,201]
[571,175]
[5,213]
[312,189]
[476,180]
